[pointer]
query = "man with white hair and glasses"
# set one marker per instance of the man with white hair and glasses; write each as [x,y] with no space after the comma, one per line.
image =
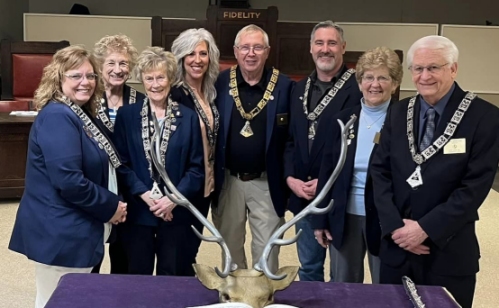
[253,102]
[434,167]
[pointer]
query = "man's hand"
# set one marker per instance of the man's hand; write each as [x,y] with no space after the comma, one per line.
[163,208]
[420,250]
[323,237]
[410,237]
[310,187]
[120,214]
[297,186]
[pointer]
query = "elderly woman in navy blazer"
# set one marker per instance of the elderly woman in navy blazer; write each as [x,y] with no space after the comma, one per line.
[70,197]
[352,228]
[155,226]
[116,57]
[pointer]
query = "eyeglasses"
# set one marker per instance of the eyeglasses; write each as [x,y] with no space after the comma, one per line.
[150,80]
[380,79]
[258,49]
[79,77]
[432,69]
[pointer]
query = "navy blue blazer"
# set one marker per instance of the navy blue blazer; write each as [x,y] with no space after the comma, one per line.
[127,100]
[60,220]
[298,161]
[454,185]
[334,220]
[277,134]
[184,161]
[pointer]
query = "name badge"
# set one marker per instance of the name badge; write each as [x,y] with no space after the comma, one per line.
[376,138]
[455,146]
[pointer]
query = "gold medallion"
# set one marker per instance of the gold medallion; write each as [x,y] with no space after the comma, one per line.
[246,131]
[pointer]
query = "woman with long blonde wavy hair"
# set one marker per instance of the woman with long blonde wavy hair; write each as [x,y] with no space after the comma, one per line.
[70,197]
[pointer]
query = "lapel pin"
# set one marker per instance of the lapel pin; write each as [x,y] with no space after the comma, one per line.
[173,127]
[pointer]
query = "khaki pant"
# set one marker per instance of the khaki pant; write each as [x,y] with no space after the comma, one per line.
[47,279]
[240,201]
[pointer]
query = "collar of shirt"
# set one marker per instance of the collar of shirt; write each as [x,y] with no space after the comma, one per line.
[313,76]
[439,106]
[262,84]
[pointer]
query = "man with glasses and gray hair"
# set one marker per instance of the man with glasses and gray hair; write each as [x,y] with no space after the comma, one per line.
[253,102]
[315,100]
[434,167]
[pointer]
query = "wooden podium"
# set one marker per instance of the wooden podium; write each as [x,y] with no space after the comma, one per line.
[14,134]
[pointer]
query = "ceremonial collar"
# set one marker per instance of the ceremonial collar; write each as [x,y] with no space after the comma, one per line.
[262,84]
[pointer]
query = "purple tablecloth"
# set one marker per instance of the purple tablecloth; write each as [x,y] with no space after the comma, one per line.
[126,291]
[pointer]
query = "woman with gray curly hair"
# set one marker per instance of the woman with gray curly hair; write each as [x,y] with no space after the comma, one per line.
[352,229]
[197,59]
[117,57]
[156,227]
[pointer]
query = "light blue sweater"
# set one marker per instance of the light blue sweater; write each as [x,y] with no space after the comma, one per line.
[372,117]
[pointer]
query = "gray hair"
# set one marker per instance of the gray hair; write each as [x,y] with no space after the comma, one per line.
[184,44]
[116,43]
[435,42]
[156,58]
[328,24]
[251,28]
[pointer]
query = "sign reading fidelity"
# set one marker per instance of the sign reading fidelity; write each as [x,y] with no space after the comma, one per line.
[241,15]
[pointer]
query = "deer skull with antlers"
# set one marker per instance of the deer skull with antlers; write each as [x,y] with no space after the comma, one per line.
[255,287]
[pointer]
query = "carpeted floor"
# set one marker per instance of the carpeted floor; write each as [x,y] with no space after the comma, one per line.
[17,288]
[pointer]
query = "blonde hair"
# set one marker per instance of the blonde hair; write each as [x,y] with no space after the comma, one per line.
[184,44]
[116,43]
[50,87]
[156,58]
[380,57]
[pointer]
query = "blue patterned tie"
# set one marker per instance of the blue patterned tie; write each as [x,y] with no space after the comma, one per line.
[429,130]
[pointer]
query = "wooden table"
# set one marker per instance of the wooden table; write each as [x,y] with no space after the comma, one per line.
[14,134]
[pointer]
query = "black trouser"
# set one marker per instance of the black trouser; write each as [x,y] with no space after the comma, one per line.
[117,253]
[462,288]
[174,245]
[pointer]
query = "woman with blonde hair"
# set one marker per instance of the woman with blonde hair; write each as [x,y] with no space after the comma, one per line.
[70,197]
[351,230]
[156,227]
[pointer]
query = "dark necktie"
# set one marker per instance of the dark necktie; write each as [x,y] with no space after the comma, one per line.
[429,130]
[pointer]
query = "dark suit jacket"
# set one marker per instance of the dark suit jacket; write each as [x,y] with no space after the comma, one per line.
[454,186]
[277,134]
[184,161]
[298,162]
[127,100]
[334,220]
[60,220]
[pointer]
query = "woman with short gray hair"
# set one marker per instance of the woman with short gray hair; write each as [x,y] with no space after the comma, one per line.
[157,227]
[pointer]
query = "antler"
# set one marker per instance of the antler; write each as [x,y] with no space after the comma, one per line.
[176,197]
[312,208]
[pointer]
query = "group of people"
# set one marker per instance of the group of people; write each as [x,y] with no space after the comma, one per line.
[251,143]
